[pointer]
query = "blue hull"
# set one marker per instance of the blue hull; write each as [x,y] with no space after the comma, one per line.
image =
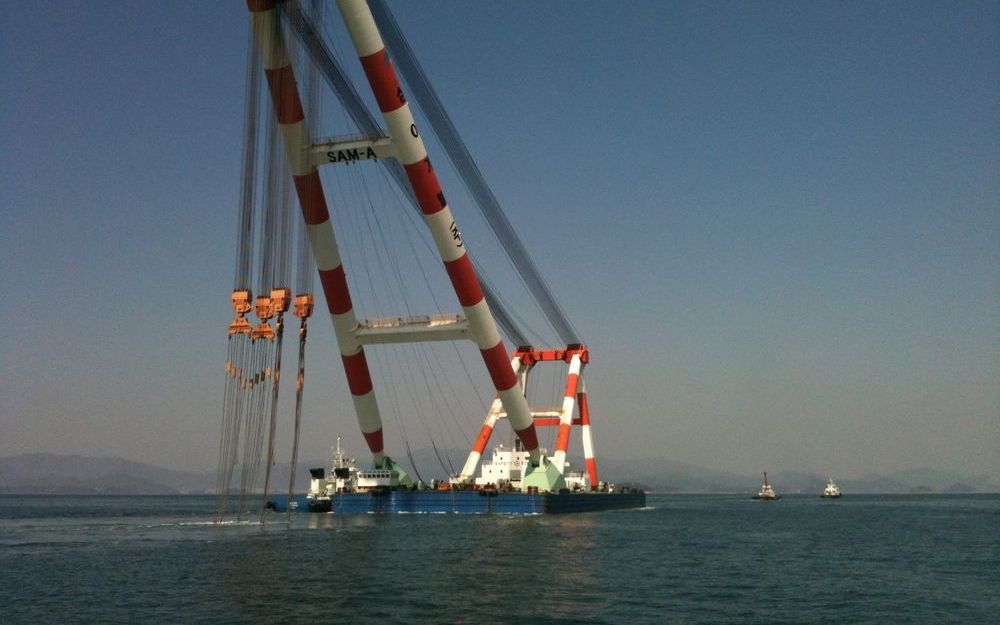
[467,502]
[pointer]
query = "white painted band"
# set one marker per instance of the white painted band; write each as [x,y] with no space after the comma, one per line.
[517,408]
[449,242]
[566,416]
[367,410]
[482,327]
[361,26]
[296,139]
[559,460]
[469,469]
[267,32]
[588,443]
[409,149]
[344,325]
[324,245]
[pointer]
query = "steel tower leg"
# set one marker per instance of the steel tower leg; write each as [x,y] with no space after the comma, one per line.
[291,120]
[588,440]
[413,155]
[469,469]
[566,415]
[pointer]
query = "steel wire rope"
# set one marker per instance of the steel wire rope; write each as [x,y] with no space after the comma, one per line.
[422,234]
[248,431]
[230,421]
[394,265]
[264,282]
[240,408]
[281,280]
[304,273]
[461,360]
[333,73]
[419,228]
[232,433]
[431,382]
[270,218]
[237,429]
[424,96]
[280,199]
[244,257]
[495,307]
[225,423]
[351,221]
[394,381]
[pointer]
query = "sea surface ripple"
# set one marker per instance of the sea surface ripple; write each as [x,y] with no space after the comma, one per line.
[684,559]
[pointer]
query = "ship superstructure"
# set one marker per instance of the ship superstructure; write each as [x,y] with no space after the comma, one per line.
[831,491]
[767,492]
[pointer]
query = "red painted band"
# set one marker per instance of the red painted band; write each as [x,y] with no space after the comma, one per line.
[338,298]
[581,399]
[499,367]
[310,191]
[483,438]
[466,283]
[571,382]
[529,438]
[258,6]
[382,78]
[541,422]
[359,380]
[426,186]
[281,83]
[374,440]
[562,441]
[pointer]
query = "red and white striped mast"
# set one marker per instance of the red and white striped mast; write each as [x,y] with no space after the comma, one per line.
[412,154]
[574,401]
[405,144]
[309,187]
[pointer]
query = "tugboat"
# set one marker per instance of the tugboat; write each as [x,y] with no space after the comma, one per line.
[832,491]
[766,492]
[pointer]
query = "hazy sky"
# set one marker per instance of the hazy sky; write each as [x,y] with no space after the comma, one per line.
[777,225]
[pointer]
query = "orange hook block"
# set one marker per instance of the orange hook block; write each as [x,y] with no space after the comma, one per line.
[265,308]
[262,331]
[241,306]
[240,326]
[241,301]
[304,305]
[281,299]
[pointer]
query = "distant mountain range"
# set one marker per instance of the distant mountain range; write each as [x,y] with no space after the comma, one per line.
[58,474]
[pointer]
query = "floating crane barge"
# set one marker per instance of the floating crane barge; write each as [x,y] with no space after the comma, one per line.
[347,490]
[521,479]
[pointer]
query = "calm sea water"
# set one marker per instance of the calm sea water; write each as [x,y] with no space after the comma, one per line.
[685,559]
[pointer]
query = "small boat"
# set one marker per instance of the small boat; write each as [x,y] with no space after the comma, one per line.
[766,492]
[832,491]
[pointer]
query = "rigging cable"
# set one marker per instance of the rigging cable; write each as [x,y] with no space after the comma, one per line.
[304,272]
[241,280]
[471,176]
[305,31]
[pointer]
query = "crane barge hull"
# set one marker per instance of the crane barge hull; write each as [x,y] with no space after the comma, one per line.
[462,502]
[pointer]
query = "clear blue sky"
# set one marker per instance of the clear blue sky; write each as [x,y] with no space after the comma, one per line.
[776,224]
